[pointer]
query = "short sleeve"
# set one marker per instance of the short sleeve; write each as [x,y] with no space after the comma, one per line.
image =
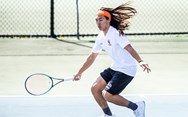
[123,41]
[97,47]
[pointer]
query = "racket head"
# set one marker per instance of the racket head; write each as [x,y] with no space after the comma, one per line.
[38,84]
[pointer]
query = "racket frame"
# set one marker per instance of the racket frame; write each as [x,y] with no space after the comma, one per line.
[51,79]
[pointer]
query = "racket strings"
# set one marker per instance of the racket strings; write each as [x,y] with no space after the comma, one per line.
[39,84]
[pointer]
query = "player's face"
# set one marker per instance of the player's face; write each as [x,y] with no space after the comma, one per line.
[102,23]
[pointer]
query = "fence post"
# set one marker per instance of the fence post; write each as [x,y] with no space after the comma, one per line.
[77,11]
[52,19]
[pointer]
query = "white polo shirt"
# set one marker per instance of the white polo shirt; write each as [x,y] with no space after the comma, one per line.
[114,44]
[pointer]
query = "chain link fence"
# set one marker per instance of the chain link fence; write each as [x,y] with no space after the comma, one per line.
[53,18]
[24,17]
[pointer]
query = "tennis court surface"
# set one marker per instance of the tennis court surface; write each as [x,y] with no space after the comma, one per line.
[85,106]
[165,89]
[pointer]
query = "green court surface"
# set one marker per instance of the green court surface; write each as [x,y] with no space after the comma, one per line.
[21,57]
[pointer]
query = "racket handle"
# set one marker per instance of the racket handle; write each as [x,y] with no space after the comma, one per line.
[68,79]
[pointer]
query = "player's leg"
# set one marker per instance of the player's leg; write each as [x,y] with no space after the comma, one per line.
[138,108]
[116,99]
[96,89]
[119,100]
[116,85]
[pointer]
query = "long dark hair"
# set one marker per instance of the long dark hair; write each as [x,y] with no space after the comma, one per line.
[120,16]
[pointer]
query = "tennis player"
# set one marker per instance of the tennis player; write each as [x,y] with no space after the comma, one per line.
[112,81]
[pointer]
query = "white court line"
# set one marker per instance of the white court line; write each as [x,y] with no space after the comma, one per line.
[134,95]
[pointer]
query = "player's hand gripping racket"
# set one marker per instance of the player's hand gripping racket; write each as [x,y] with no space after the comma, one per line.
[39,84]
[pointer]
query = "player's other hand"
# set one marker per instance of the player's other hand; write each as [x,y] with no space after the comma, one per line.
[145,66]
[77,77]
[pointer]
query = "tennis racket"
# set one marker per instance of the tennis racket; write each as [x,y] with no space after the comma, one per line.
[39,84]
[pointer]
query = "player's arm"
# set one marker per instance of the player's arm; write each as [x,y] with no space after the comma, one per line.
[89,61]
[135,55]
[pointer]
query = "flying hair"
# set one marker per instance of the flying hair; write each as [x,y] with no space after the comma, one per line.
[120,16]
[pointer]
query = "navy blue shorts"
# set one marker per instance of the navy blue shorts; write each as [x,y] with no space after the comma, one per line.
[116,81]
